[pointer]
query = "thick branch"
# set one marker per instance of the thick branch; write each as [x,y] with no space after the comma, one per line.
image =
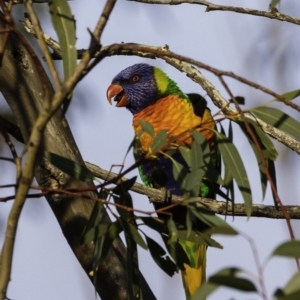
[219,207]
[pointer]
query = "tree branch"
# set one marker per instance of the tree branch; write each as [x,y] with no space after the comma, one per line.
[274,14]
[219,207]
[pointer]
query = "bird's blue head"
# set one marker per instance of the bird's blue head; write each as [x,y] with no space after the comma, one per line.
[139,86]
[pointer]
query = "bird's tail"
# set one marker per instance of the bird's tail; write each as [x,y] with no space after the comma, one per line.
[193,276]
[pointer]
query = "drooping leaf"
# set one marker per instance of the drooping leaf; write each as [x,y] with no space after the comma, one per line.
[204,291]
[241,284]
[172,230]
[155,224]
[186,154]
[228,277]
[147,127]
[198,238]
[132,268]
[226,230]
[192,182]
[106,241]
[279,120]
[159,141]
[179,173]
[196,156]
[124,186]
[93,221]
[133,233]
[177,252]
[95,233]
[64,25]
[290,249]
[211,219]
[273,3]
[265,142]
[70,167]
[288,95]
[291,291]
[233,161]
[159,256]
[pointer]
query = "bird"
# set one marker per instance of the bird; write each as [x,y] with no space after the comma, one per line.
[153,97]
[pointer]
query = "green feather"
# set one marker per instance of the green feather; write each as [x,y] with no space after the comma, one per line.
[166,86]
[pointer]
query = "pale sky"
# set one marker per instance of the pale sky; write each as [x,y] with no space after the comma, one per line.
[259,49]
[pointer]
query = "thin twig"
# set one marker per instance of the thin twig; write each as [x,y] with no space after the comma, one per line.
[274,14]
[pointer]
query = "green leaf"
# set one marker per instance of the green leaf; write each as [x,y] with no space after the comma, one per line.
[228,277]
[226,230]
[132,267]
[124,186]
[133,233]
[172,231]
[94,233]
[273,3]
[186,154]
[147,127]
[155,224]
[279,120]
[159,256]
[70,167]
[291,291]
[265,142]
[179,173]
[192,182]
[159,141]
[64,25]
[288,95]
[106,241]
[233,161]
[241,284]
[94,220]
[177,252]
[196,156]
[204,291]
[198,238]
[290,249]
[216,224]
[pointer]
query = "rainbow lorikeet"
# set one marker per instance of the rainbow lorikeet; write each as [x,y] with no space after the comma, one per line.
[150,95]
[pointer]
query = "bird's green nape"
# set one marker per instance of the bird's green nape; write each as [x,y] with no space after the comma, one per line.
[166,86]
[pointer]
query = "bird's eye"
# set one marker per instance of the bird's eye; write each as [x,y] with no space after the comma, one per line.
[135,78]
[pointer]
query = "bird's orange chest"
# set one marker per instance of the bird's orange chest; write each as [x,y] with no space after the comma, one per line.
[171,113]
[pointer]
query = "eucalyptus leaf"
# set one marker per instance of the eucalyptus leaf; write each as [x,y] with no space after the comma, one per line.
[279,120]
[155,224]
[159,141]
[292,289]
[147,127]
[159,256]
[228,277]
[70,167]
[64,25]
[133,233]
[233,161]
[289,249]
[172,231]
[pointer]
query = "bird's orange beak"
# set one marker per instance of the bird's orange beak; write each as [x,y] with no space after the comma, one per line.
[117,92]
